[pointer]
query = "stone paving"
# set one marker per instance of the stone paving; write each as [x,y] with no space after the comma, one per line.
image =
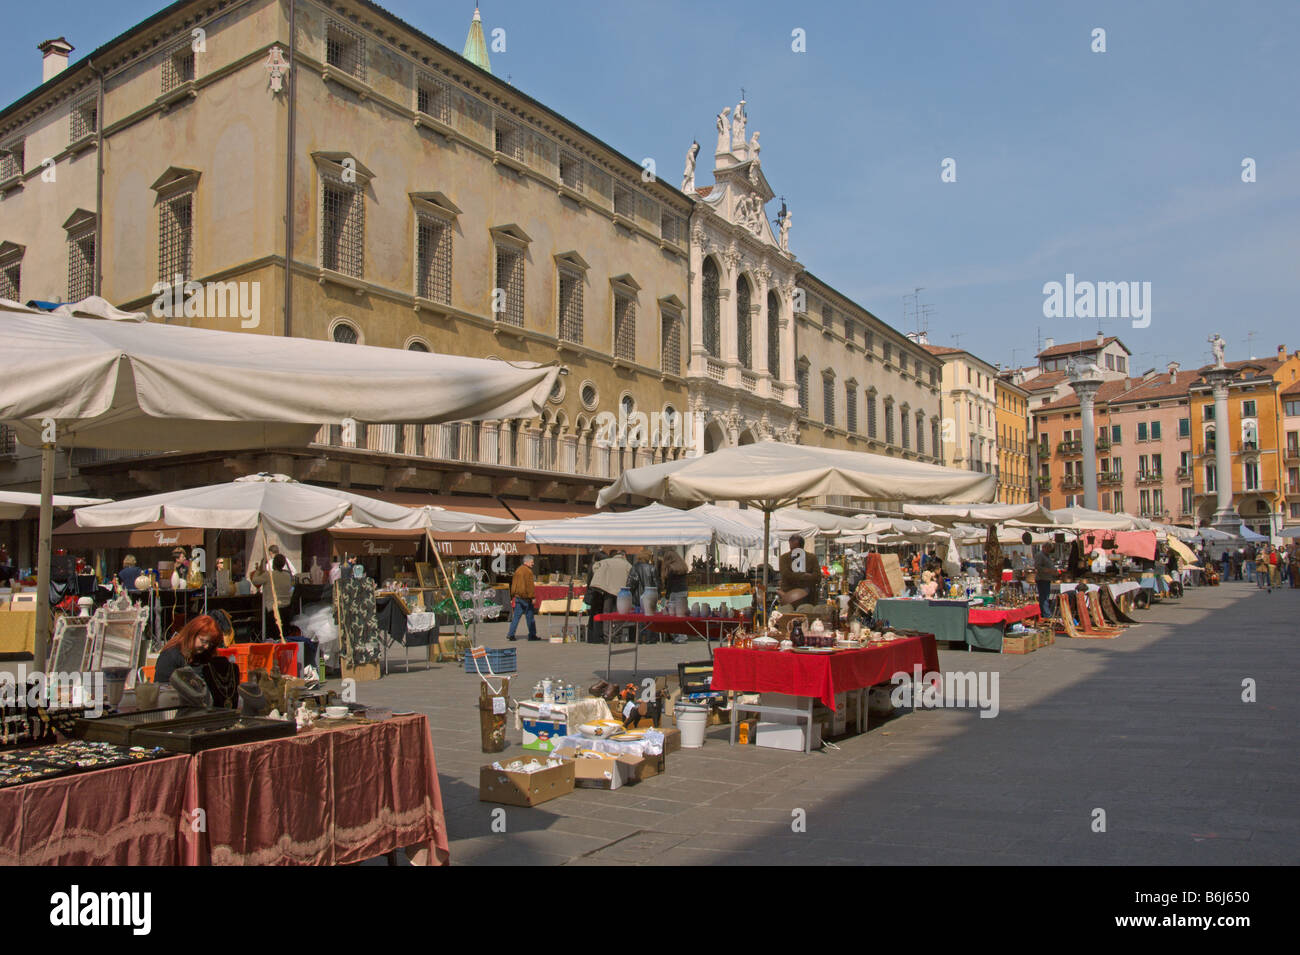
[1150,727]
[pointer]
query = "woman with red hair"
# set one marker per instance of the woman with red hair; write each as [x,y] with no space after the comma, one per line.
[195,646]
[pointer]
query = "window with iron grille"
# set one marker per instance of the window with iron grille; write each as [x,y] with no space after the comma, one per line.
[11,279]
[510,280]
[83,120]
[669,227]
[906,424]
[870,342]
[871,414]
[178,68]
[570,306]
[343,227]
[624,328]
[346,334]
[933,378]
[418,346]
[712,312]
[934,436]
[81,265]
[571,170]
[433,98]
[920,433]
[828,318]
[8,441]
[671,336]
[624,202]
[889,422]
[507,139]
[175,237]
[433,259]
[851,406]
[11,160]
[345,50]
[828,399]
[889,352]
[849,330]
[801,376]
[744,328]
[773,335]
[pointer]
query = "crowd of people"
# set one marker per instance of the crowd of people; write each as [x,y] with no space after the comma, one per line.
[1264,565]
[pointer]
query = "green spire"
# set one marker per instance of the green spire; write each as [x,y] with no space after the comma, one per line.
[475,45]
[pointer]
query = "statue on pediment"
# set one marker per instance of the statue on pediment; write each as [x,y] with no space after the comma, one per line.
[1218,345]
[688,178]
[754,147]
[738,120]
[724,130]
[784,219]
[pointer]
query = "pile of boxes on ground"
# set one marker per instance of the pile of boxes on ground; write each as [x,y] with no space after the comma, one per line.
[1028,640]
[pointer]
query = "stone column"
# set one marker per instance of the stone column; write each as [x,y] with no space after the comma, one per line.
[489,444]
[569,453]
[729,319]
[1226,517]
[758,340]
[697,303]
[1086,383]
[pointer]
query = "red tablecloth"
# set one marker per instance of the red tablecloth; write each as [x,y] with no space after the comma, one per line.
[556,592]
[820,675]
[328,797]
[985,617]
[665,623]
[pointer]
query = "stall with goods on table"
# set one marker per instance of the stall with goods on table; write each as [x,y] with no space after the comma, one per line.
[816,674]
[337,793]
[955,620]
[710,628]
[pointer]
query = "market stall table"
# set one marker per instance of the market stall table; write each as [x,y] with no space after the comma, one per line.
[954,620]
[710,628]
[324,797]
[816,675]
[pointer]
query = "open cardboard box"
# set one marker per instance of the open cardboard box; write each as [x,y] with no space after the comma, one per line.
[525,789]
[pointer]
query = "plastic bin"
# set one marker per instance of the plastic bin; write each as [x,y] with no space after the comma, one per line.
[501,661]
[251,656]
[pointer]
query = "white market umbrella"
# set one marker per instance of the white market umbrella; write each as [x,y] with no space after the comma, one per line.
[15,505]
[949,514]
[650,526]
[1082,518]
[772,475]
[119,381]
[440,520]
[1248,534]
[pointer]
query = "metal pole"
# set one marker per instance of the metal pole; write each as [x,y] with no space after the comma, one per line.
[40,643]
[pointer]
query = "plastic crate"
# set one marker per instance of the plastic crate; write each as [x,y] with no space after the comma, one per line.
[249,657]
[285,656]
[501,661]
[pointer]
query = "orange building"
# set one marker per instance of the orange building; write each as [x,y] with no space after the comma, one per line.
[1256,431]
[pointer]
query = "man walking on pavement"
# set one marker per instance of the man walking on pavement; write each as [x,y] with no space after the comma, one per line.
[522,591]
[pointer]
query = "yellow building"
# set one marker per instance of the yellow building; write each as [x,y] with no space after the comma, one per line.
[1014,463]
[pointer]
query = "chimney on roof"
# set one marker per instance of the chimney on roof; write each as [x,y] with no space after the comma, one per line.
[1281,353]
[1101,339]
[54,57]
[1173,372]
[1049,343]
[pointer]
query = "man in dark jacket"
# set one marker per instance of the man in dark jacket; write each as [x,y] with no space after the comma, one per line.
[1044,573]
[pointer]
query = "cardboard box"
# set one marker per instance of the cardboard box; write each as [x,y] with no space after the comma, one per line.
[525,789]
[539,731]
[1017,645]
[644,768]
[786,736]
[672,739]
[611,773]
[362,673]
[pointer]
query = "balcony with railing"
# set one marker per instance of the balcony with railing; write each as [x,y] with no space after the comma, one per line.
[1044,482]
[1150,477]
[1248,447]
[1071,483]
[1184,474]
[1152,514]
[1070,447]
[1110,478]
[1103,444]
[1291,453]
[1044,452]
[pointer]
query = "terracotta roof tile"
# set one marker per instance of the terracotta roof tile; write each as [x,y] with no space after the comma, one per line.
[703,191]
[1074,348]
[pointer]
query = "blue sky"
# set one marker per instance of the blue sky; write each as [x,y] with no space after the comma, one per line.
[1115,166]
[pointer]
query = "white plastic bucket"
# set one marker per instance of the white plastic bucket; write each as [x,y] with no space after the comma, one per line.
[692,719]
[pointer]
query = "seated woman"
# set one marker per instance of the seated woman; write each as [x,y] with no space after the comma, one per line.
[195,646]
[798,587]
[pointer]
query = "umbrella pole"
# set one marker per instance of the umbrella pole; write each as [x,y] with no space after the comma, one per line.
[767,536]
[40,641]
[428,534]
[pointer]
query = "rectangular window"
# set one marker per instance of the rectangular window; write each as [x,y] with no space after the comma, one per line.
[672,343]
[801,376]
[1187,500]
[507,140]
[1157,464]
[1292,407]
[889,352]
[433,260]
[1142,464]
[828,318]
[1184,427]
[509,282]
[1144,502]
[1207,413]
[570,306]
[571,170]
[81,265]
[934,437]
[1110,362]
[433,98]
[178,68]
[849,331]
[343,227]
[345,50]
[1119,501]
[1142,430]
[670,228]
[176,238]
[11,279]
[906,428]
[889,423]
[1157,501]
[1155,430]
[624,328]
[828,400]
[1248,408]
[1209,478]
[871,415]
[1252,476]
[920,434]
[851,407]
[83,120]
[624,202]
[1121,364]
[1105,501]
[11,160]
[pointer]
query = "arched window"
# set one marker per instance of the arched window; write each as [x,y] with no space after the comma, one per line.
[419,346]
[346,333]
[774,335]
[712,309]
[744,330]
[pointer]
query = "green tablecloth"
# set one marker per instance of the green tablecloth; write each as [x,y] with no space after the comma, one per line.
[947,620]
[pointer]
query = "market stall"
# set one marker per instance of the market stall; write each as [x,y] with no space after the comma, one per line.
[955,621]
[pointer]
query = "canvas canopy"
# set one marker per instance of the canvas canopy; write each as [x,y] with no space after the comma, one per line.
[15,505]
[440,520]
[1082,518]
[949,514]
[650,526]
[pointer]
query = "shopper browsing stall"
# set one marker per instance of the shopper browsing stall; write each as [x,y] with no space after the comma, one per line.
[522,592]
